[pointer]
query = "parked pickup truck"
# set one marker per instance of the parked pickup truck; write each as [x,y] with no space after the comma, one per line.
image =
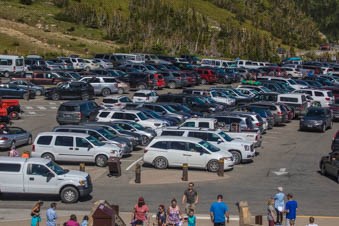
[211,123]
[42,176]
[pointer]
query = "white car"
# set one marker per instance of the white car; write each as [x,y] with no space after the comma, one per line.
[292,72]
[324,97]
[111,115]
[247,91]
[117,102]
[103,63]
[145,96]
[90,64]
[168,151]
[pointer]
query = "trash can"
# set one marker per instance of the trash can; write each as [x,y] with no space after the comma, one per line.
[258,219]
[103,215]
[114,167]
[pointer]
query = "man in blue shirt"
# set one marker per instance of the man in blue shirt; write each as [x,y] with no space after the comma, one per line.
[218,211]
[51,215]
[291,210]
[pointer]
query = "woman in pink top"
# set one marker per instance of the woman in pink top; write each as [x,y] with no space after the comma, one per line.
[139,215]
[72,221]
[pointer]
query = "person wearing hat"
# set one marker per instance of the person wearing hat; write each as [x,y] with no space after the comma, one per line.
[279,204]
[139,214]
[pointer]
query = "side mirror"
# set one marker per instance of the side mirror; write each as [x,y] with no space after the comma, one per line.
[89,147]
[219,141]
[163,113]
[49,176]
[202,152]
[136,119]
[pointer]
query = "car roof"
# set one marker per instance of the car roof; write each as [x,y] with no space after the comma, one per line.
[75,102]
[145,91]
[62,133]
[22,160]
[176,138]
[79,127]
[121,111]
[200,119]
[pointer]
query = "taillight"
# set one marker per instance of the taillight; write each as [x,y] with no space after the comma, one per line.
[258,124]
[279,113]
[3,138]
[145,150]
[327,98]
[33,147]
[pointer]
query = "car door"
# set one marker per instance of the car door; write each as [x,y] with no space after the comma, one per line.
[40,179]
[64,147]
[333,165]
[95,82]
[177,153]
[84,150]
[319,96]
[20,135]
[197,156]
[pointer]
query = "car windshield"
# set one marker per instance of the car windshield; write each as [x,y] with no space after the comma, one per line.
[137,126]
[95,141]
[142,116]
[154,114]
[56,168]
[117,127]
[315,112]
[266,90]
[209,146]
[169,108]
[291,81]
[150,67]
[107,134]
[225,136]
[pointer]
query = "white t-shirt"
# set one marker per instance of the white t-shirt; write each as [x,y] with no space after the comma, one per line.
[312,225]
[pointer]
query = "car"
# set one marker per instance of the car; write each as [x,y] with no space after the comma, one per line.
[90,64]
[75,112]
[335,142]
[174,79]
[103,63]
[165,110]
[140,80]
[23,84]
[172,121]
[149,96]
[173,151]
[117,102]
[316,118]
[325,97]
[329,165]
[70,90]
[10,92]
[102,85]
[14,136]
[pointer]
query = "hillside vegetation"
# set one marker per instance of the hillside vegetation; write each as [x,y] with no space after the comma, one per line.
[227,28]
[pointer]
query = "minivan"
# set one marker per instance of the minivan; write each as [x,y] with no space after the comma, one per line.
[295,100]
[73,147]
[10,64]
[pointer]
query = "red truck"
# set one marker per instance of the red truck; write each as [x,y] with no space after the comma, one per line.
[207,75]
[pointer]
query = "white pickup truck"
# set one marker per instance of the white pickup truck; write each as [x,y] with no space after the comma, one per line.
[211,123]
[42,176]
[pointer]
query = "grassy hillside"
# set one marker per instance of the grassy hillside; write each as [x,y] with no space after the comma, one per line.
[205,27]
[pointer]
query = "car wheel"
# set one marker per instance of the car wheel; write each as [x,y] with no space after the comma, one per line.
[121,91]
[14,115]
[203,82]
[87,68]
[172,85]
[144,140]
[213,166]
[105,92]
[141,86]
[55,96]
[38,92]
[6,74]
[69,195]
[236,157]
[29,141]
[323,170]
[101,160]
[48,156]
[160,163]
[25,96]
[84,96]
[323,129]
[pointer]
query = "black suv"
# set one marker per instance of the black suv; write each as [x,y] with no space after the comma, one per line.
[70,90]
[193,102]
[75,112]
[140,80]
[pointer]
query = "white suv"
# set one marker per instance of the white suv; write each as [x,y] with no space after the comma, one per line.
[167,151]
[241,150]
[145,96]
[111,115]
[324,97]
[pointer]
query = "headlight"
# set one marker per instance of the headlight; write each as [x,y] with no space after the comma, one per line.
[157,124]
[228,158]
[113,152]
[247,148]
[83,183]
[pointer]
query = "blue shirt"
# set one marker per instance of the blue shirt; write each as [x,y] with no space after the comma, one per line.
[219,210]
[191,221]
[51,217]
[291,207]
[279,200]
[84,223]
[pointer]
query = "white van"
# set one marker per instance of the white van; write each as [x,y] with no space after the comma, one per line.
[42,176]
[10,64]
[73,147]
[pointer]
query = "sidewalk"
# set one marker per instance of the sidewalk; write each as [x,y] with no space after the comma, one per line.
[16,217]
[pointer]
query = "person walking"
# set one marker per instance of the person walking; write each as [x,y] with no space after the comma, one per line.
[140,211]
[161,216]
[51,215]
[311,220]
[72,221]
[191,219]
[218,212]
[174,215]
[35,213]
[190,198]
[291,210]
[270,212]
[279,204]
[84,221]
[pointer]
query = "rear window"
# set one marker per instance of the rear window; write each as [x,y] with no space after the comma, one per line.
[10,167]
[69,108]
[172,133]
[289,99]
[140,95]
[103,114]
[44,140]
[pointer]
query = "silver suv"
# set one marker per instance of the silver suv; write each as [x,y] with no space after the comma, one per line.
[102,85]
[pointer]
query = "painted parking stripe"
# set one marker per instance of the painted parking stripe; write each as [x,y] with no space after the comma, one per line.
[51,103]
[28,107]
[41,107]
[31,113]
[133,163]
[53,108]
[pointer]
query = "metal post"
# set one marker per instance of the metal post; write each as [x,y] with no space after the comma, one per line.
[184,172]
[137,173]
[82,167]
[221,168]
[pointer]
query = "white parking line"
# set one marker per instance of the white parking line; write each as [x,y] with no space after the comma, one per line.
[31,113]
[133,163]
[28,107]
[52,103]
[53,107]
[41,107]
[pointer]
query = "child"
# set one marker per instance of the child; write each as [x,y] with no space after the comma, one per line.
[312,222]
[191,220]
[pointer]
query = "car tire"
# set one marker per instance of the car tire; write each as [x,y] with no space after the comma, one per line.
[213,166]
[144,140]
[101,160]
[6,74]
[14,115]
[38,93]
[69,195]
[141,86]
[105,92]
[172,85]
[323,170]
[84,96]
[48,156]
[25,96]
[30,140]
[160,163]
[55,96]
[121,91]
[203,82]
[323,129]
[237,157]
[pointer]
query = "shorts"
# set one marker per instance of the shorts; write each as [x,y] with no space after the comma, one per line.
[290,222]
[189,206]
[220,224]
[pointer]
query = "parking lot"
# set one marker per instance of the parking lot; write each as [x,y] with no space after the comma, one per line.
[287,158]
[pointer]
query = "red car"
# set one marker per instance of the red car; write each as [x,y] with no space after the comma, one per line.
[160,81]
[207,75]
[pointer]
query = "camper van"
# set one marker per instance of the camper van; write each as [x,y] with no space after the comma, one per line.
[10,64]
